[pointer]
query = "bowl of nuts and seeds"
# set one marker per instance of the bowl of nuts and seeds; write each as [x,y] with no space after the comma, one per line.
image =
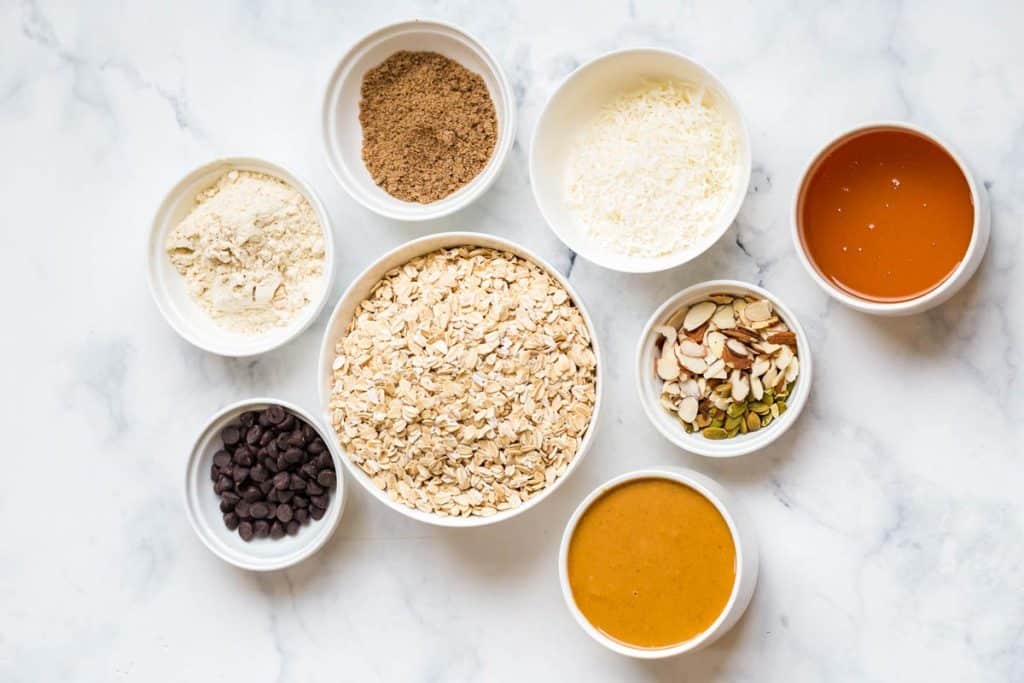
[723,368]
[263,489]
[462,378]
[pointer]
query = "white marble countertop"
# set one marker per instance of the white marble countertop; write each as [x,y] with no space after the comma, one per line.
[890,517]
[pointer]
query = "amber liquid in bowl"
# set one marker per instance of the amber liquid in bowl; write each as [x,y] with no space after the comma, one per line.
[652,563]
[886,215]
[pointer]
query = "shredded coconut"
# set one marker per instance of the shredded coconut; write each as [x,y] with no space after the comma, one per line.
[251,252]
[650,175]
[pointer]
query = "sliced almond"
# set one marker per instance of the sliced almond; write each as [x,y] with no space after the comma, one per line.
[698,315]
[788,338]
[760,366]
[692,349]
[716,342]
[671,389]
[770,377]
[758,311]
[688,409]
[737,347]
[716,370]
[721,402]
[743,334]
[697,335]
[668,367]
[694,365]
[724,318]
[783,358]
[761,325]
[793,370]
[740,386]
[765,347]
[690,388]
[756,388]
[721,298]
[669,333]
[735,361]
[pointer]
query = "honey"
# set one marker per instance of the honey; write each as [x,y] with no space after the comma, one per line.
[886,215]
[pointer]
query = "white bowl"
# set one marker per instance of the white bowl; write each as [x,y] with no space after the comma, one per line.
[343,135]
[360,289]
[649,385]
[743,537]
[168,287]
[576,101]
[953,283]
[202,505]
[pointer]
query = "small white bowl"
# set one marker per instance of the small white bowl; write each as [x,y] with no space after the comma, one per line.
[360,289]
[202,504]
[953,283]
[168,287]
[576,101]
[747,560]
[343,135]
[649,385]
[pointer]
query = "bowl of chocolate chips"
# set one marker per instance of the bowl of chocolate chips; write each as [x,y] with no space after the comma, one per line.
[263,488]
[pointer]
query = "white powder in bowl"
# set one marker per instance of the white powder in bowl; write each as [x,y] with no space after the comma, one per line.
[251,252]
[651,174]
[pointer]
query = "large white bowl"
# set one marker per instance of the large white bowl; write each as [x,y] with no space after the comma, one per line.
[576,101]
[649,385]
[360,289]
[747,561]
[168,287]
[952,284]
[202,504]
[343,135]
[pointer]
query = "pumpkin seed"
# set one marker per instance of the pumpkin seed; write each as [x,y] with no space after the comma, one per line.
[733,423]
[715,433]
[766,420]
[782,406]
[752,422]
[724,389]
[717,424]
[759,407]
[733,432]
[736,409]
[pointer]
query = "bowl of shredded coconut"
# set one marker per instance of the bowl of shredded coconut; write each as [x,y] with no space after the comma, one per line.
[640,160]
[240,256]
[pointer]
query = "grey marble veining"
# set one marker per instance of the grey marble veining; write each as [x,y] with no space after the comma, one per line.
[890,516]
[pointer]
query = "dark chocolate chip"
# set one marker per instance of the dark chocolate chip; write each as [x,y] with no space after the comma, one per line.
[302,514]
[284,495]
[243,456]
[214,473]
[221,459]
[284,513]
[242,509]
[262,420]
[247,418]
[271,464]
[281,480]
[297,483]
[275,414]
[230,435]
[246,531]
[223,484]
[293,456]
[267,438]
[231,521]
[317,446]
[226,506]
[272,496]
[293,527]
[231,497]
[319,501]
[252,437]
[259,510]
[300,501]
[261,528]
[267,486]
[327,478]
[314,489]
[259,473]
[317,512]
[239,474]
[288,423]
[276,530]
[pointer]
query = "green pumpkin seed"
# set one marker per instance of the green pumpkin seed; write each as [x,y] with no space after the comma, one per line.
[743,424]
[733,423]
[724,389]
[782,406]
[759,407]
[769,395]
[752,422]
[715,433]
[716,424]
[736,409]
[767,420]
[734,432]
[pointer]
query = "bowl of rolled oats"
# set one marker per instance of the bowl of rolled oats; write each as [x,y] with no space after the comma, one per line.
[461,376]
[723,368]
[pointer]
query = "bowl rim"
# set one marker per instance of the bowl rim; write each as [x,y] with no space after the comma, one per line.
[154,246]
[726,448]
[338,497]
[686,477]
[732,210]
[340,70]
[418,247]
[933,296]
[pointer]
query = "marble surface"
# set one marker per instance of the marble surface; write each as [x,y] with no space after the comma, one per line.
[891,516]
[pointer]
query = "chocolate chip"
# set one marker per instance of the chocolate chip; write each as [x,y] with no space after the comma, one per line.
[293,456]
[302,514]
[275,414]
[327,478]
[317,512]
[246,531]
[293,527]
[221,459]
[230,435]
[284,495]
[231,521]
[271,464]
[242,509]
[242,456]
[266,486]
[262,419]
[223,484]
[240,474]
[225,506]
[267,438]
[214,473]
[261,528]
[297,483]
[230,497]
[317,446]
[259,510]
[277,530]
[300,501]
[252,437]
[259,473]
[288,423]
[247,418]
[272,496]
[284,513]
[314,489]
[281,480]
[319,501]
